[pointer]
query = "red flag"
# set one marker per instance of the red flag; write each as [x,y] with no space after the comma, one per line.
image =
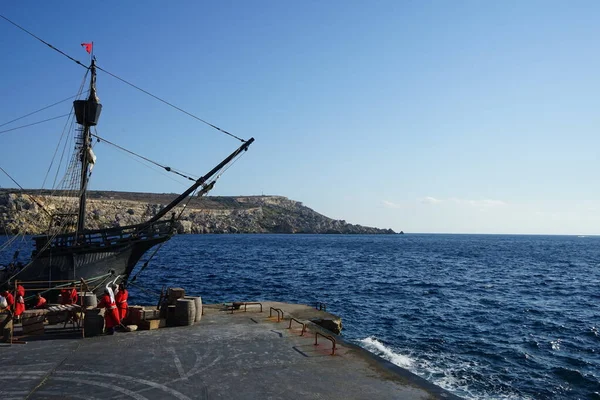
[88,47]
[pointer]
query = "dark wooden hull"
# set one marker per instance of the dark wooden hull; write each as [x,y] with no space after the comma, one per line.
[119,260]
[113,252]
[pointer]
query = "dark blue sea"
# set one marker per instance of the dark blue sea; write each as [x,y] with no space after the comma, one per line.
[484,316]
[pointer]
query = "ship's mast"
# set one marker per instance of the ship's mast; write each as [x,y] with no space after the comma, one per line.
[87,113]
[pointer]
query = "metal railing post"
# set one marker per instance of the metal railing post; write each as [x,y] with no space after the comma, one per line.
[301,323]
[328,337]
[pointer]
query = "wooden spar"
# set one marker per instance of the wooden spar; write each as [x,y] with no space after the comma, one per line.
[84,286]
[200,182]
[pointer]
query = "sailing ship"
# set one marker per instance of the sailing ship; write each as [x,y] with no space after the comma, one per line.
[87,254]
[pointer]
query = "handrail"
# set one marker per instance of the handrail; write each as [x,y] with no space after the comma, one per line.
[278,310]
[113,230]
[105,237]
[252,303]
[321,306]
[328,337]
[301,323]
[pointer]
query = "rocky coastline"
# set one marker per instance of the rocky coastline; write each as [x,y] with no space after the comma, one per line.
[31,212]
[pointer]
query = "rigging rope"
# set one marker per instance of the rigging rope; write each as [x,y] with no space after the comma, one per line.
[8,242]
[147,262]
[46,43]
[160,171]
[126,82]
[72,283]
[34,123]
[171,105]
[41,109]
[26,194]
[168,169]
[69,122]
[67,128]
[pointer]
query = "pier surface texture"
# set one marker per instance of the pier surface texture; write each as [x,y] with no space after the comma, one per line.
[244,355]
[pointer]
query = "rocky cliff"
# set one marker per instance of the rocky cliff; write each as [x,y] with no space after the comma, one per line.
[31,212]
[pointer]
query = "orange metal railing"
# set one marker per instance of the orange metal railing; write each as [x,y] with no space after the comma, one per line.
[328,337]
[301,323]
[278,310]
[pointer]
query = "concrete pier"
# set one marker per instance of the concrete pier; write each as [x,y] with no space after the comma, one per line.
[244,355]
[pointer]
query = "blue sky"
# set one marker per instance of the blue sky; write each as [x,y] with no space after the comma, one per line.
[422,116]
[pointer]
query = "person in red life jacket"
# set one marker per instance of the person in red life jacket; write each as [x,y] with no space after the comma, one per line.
[19,305]
[68,296]
[10,299]
[40,301]
[20,301]
[111,316]
[121,299]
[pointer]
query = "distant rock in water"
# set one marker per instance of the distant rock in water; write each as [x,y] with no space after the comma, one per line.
[23,212]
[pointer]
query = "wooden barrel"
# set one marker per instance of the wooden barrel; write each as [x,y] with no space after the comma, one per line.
[89,299]
[93,322]
[170,319]
[198,305]
[185,312]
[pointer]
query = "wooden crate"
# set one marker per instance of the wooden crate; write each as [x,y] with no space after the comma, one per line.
[34,329]
[150,314]
[175,293]
[134,315]
[149,325]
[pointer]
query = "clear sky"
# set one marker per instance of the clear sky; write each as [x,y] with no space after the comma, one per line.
[422,116]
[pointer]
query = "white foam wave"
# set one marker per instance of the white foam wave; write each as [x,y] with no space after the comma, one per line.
[375,346]
[450,378]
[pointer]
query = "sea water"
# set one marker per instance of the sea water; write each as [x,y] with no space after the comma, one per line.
[484,316]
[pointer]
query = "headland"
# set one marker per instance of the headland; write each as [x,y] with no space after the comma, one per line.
[23,212]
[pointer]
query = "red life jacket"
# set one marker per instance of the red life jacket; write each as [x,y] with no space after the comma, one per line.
[121,298]
[19,306]
[68,296]
[111,316]
[41,303]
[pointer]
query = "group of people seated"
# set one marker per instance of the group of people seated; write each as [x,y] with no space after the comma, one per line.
[15,300]
[115,303]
